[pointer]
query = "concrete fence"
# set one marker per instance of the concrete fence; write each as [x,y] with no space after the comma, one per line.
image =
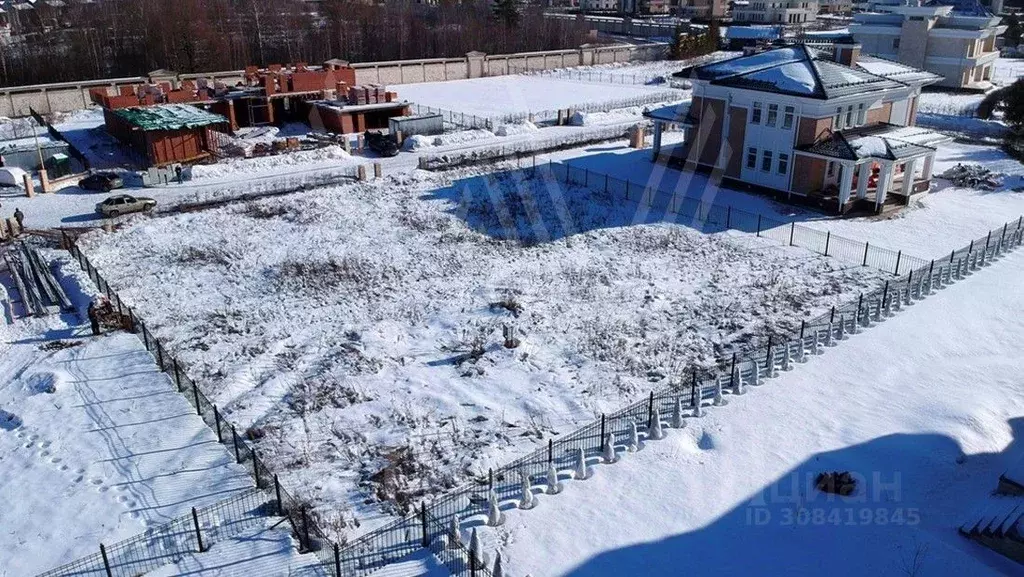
[69,96]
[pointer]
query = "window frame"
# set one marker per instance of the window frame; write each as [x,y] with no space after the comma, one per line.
[788,114]
[755,113]
[782,166]
[773,115]
[752,157]
[766,160]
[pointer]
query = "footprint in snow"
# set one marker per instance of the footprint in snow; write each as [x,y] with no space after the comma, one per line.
[56,460]
[96,481]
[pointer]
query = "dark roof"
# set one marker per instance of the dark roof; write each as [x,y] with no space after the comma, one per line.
[796,70]
[883,141]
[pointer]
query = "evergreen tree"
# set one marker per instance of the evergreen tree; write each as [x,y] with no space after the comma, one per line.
[508,11]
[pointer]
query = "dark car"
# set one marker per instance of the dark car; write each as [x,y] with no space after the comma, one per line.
[120,204]
[381,143]
[101,181]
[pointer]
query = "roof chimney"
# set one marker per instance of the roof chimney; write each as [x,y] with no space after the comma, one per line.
[847,53]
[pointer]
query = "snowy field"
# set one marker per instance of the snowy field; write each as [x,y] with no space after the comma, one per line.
[95,443]
[928,429]
[935,224]
[497,96]
[653,72]
[1007,70]
[356,332]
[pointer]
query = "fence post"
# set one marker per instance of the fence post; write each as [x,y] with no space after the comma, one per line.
[106,562]
[694,399]
[988,239]
[234,441]
[490,479]
[650,410]
[305,527]
[769,362]
[159,355]
[792,229]
[732,372]
[759,225]
[177,374]
[803,327]
[551,451]
[832,315]
[216,419]
[199,535]
[600,440]
[856,316]
[145,339]
[195,395]
[866,247]
[885,293]
[899,255]
[277,494]
[828,238]
[337,559]
[952,255]
[255,467]
[423,523]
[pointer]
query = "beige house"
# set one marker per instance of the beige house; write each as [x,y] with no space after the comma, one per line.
[835,129]
[775,11]
[955,42]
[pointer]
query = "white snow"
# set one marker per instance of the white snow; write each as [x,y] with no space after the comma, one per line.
[927,428]
[112,450]
[383,331]
[500,95]
[746,64]
[333,156]
[795,77]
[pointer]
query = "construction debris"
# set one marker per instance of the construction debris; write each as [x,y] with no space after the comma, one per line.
[40,292]
[972,176]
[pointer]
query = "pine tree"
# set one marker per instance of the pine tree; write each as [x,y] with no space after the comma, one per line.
[474,550]
[454,533]
[677,415]
[510,12]
[697,401]
[634,438]
[526,499]
[581,465]
[553,485]
[656,432]
[494,515]
[719,397]
[609,448]
[498,571]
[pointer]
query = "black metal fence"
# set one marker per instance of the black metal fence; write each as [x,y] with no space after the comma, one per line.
[665,408]
[431,525]
[712,217]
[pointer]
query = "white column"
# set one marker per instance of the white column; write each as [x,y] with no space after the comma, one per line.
[862,180]
[884,181]
[929,161]
[846,183]
[908,176]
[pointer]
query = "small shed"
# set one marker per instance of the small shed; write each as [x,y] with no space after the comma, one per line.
[166,133]
[424,124]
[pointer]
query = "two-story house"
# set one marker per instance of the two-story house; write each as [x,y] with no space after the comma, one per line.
[955,39]
[775,11]
[831,129]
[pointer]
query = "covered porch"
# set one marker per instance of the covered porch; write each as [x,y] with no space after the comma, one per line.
[673,118]
[872,169]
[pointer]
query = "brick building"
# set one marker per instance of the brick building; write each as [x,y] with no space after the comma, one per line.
[833,129]
[166,133]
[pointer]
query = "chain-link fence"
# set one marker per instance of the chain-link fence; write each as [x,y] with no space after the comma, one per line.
[431,526]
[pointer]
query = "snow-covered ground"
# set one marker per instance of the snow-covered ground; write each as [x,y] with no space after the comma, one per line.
[359,329]
[264,550]
[96,444]
[653,72]
[497,96]
[935,224]
[925,409]
[1006,71]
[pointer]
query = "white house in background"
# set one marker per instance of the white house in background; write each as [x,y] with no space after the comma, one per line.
[832,129]
[835,7]
[775,11]
[955,39]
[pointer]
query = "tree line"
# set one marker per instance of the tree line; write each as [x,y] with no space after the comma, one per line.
[115,38]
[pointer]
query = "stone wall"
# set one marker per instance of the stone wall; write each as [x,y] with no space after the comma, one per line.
[68,96]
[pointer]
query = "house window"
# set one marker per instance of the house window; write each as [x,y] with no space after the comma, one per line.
[831,168]
[849,116]
[895,43]
[861,117]
[751,157]
[755,115]
[783,163]
[766,161]
[838,118]
[787,119]
[773,114]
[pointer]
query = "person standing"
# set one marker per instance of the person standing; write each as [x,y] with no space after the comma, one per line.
[20,217]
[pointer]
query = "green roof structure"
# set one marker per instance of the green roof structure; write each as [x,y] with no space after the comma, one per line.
[169,117]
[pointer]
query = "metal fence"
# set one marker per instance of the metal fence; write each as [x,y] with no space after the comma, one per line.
[666,407]
[169,542]
[718,217]
[761,359]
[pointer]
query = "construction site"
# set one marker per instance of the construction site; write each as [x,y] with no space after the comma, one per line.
[168,121]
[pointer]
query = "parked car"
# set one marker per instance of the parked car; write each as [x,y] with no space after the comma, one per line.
[123,204]
[382,144]
[101,181]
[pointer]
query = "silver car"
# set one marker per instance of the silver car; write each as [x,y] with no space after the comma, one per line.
[123,204]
